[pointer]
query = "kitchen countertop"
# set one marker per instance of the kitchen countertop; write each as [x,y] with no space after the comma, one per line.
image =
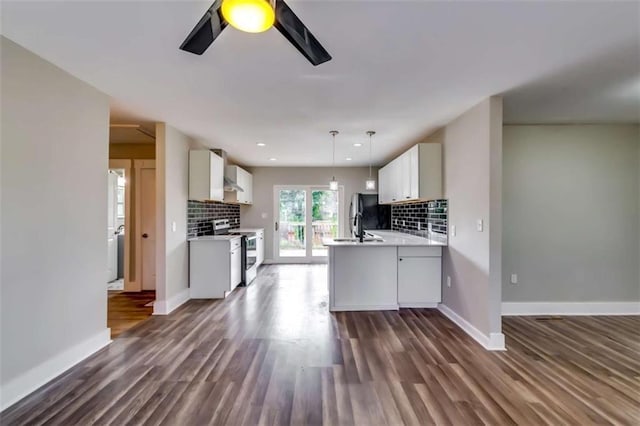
[391,238]
[214,238]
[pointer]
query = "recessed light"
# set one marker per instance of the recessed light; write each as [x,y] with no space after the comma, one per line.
[261,144]
[357,145]
[348,158]
[272,159]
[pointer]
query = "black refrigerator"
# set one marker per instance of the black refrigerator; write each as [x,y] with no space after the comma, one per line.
[374,215]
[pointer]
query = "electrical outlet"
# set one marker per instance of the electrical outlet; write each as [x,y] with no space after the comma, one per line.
[453,230]
[514,278]
[448,281]
[264,215]
[174,226]
[430,227]
[403,223]
[418,226]
[479,225]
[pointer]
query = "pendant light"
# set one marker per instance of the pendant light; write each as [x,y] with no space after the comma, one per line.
[333,183]
[370,183]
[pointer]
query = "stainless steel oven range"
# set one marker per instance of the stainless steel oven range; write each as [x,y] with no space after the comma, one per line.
[249,248]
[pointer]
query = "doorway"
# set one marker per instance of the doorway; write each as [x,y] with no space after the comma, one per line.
[305,215]
[116,217]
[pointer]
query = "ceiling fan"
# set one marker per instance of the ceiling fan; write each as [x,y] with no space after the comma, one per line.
[254,16]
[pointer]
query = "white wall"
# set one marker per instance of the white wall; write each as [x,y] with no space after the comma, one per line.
[264,179]
[571,209]
[54,162]
[172,190]
[472,159]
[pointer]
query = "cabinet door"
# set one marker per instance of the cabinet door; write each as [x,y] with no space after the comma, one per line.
[384,185]
[260,248]
[413,172]
[404,177]
[395,179]
[419,280]
[236,268]
[216,177]
[247,180]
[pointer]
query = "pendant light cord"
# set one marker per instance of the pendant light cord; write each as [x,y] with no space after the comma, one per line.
[333,161]
[370,133]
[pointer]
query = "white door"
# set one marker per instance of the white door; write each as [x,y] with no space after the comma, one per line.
[148,227]
[304,216]
[112,224]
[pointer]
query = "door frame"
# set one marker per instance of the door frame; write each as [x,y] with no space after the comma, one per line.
[308,219]
[138,166]
[126,166]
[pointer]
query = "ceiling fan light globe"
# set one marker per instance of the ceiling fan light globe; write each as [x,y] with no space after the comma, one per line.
[251,16]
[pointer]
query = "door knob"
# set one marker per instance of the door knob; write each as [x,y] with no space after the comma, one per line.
[145,235]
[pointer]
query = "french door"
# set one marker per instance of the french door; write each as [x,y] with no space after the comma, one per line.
[304,216]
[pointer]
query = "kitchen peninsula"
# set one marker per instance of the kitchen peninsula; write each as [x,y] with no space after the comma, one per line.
[387,271]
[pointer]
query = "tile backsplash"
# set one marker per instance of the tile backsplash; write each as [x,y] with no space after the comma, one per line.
[200,214]
[409,217]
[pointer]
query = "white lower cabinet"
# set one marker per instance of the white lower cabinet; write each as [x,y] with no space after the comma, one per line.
[215,267]
[419,281]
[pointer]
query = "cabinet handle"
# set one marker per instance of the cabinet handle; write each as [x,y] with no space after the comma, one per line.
[145,235]
[400,259]
[407,197]
[276,226]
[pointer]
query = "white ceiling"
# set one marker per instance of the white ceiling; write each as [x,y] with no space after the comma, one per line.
[402,68]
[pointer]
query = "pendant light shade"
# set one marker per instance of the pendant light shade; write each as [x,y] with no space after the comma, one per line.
[333,183]
[370,184]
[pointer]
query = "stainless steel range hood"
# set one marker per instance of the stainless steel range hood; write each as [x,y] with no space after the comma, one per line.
[230,185]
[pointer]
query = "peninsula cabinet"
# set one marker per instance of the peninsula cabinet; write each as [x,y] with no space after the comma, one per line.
[416,175]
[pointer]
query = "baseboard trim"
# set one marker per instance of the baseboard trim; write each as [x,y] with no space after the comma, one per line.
[165,307]
[492,342]
[570,308]
[418,305]
[356,308]
[21,386]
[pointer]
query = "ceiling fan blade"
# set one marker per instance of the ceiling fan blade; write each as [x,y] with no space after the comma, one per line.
[295,31]
[205,31]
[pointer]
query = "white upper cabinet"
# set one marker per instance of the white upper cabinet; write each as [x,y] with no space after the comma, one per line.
[206,176]
[244,179]
[415,175]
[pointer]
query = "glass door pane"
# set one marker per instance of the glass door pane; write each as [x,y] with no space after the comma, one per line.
[324,218]
[292,223]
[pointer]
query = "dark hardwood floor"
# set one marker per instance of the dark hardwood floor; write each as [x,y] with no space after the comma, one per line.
[272,354]
[125,310]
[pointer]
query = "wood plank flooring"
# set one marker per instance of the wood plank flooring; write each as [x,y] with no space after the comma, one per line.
[272,354]
[126,310]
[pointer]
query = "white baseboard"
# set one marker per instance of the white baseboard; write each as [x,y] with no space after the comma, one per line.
[492,342]
[356,308]
[24,384]
[570,308]
[418,305]
[165,307]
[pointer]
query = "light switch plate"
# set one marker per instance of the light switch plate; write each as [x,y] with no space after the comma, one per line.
[479,225]
[453,230]
[448,281]
[174,226]
[514,278]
